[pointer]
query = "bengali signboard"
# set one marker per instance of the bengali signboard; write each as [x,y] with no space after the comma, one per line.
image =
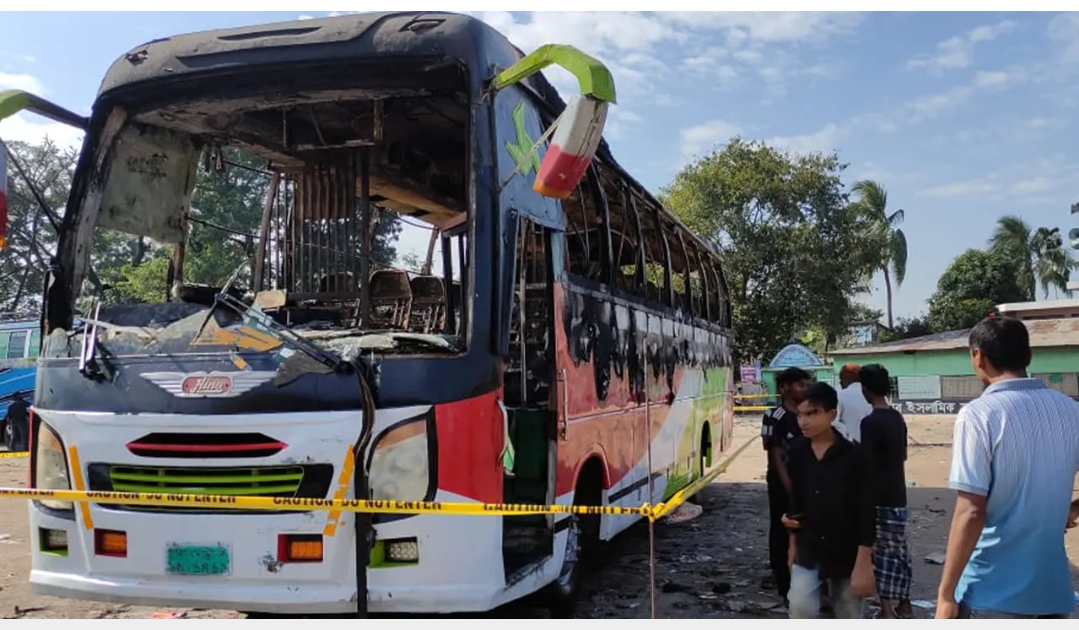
[928,407]
[918,387]
[795,355]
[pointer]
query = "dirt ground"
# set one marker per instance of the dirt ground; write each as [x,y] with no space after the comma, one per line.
[710,566]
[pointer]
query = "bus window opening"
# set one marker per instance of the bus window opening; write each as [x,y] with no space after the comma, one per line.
[351,226]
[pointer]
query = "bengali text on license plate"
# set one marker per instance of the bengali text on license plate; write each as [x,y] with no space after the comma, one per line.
[196,560]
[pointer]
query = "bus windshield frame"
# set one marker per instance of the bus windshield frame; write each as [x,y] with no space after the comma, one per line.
[151,198]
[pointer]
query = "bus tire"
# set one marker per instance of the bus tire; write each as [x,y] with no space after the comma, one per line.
[582,540]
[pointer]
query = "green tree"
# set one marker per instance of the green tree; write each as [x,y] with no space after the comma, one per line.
[908,328]
[971,287]
[226,214]
[31,237]
[1039,254]
[873,200]
[862,313]
[795,251]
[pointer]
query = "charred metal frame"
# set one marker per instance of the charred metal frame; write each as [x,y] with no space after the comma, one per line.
[699,257]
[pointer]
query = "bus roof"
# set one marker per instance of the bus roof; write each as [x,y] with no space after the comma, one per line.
[361,35]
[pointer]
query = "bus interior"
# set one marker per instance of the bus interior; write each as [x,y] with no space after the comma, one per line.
[382,146]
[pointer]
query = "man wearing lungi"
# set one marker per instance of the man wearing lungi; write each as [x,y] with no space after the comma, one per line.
[884,440]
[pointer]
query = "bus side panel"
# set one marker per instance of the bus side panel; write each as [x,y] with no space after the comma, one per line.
[614,354]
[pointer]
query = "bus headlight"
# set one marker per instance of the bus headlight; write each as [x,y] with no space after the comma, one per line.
[50,472]
[400,469]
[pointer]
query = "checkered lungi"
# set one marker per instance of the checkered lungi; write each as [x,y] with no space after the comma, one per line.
[892,562]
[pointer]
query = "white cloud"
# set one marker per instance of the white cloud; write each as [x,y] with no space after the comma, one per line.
[1032,185]
[958,52]
[999,79]
[1033,128]
[617,120]
[967,188]
[25,82]
[1063,31]
[32,129]
[1022,181]
[769,27]
[703,137]
[824,140]
[634,45]
[590,31]
[935,104]
[872,170]
[602,35]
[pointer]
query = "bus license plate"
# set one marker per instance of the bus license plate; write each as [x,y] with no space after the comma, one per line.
[194,560]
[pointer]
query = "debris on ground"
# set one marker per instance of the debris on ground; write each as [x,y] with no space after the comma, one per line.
[711,566]
[685,512]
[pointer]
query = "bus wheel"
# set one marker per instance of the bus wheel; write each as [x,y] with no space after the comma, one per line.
[582,539]
[560,596]
[571,564]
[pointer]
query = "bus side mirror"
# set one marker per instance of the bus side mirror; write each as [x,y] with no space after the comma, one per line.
[578,130]
[576,138]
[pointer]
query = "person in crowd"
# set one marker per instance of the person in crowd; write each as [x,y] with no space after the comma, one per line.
[1015,454]
[884,441]
[831,518]
[18,420]
[778,428]
[852,404]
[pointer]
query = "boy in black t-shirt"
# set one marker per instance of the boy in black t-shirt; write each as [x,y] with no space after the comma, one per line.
[884,438]
[778,427]
[831,517]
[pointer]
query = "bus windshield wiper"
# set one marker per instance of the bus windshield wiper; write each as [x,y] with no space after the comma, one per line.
[254,317]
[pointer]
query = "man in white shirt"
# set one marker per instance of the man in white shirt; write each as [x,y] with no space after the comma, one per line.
[852,404]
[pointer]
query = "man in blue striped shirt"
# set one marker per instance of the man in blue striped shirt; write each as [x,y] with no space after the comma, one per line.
[1014,458]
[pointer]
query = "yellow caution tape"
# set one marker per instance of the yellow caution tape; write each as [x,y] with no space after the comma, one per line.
[752,395]
[680,497]
[752,408]
[215,502]
[9,454]
[306,505]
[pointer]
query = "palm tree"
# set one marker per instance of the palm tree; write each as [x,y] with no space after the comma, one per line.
[873,201]
[1039,254]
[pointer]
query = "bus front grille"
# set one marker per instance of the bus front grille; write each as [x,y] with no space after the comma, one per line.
[307,481]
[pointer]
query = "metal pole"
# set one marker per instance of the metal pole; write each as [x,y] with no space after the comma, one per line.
[651,482]
[365,236]
[652,562]
[363,531]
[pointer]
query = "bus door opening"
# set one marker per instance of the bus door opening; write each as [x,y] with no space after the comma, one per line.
[529,381]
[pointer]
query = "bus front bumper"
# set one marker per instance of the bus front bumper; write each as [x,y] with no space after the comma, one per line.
[445,580]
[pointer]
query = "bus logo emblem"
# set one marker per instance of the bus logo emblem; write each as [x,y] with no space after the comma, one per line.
[208,384]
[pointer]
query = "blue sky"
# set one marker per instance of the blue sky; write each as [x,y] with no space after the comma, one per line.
[964,117]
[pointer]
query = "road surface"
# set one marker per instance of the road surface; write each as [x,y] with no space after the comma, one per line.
[710,566]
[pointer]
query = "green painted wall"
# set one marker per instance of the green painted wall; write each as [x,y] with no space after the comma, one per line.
[957,362]
[821,373]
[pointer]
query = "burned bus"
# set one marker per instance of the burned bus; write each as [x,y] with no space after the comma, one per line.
[570,347]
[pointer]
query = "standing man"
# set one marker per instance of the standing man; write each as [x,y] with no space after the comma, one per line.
[884,440]
[1014,458]
[852,404]
[778,428]
[831,522]
[18,421]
